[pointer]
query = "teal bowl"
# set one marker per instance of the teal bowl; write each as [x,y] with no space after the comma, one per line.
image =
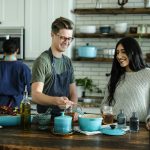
[9,120]
[90,122]
[105,29]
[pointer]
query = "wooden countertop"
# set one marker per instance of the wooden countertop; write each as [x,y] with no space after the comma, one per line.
[13,138]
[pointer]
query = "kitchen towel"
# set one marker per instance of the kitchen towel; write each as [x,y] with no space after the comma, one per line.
[77,129]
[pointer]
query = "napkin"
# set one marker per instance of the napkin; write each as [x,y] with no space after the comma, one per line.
[77,129]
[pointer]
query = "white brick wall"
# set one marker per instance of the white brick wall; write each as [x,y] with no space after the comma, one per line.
[97,71]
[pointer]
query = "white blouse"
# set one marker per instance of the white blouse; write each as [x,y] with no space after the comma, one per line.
[133,94]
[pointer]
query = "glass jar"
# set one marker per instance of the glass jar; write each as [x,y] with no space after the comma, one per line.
[107,113]
[148,28]
[134,122]
[141,28]
[147,3]
[121,119]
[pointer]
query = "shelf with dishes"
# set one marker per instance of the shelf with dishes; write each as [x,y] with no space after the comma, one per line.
[111,35]
[112,11]
[118,30]
[100,59]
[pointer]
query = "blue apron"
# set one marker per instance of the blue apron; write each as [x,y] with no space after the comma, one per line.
[59,87]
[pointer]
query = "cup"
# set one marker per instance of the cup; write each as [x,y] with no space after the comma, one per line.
[107,114]
[73,111]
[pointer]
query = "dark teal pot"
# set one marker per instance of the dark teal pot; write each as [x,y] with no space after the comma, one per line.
[90,122]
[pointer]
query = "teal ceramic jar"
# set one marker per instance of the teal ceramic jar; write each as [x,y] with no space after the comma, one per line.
[63,124]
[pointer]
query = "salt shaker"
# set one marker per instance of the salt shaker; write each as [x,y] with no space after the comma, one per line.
[134,122]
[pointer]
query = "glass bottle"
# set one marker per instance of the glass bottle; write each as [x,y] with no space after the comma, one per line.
[134,122]
[121,119]
[25,110]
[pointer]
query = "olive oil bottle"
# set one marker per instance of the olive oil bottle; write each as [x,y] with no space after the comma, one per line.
[25,110]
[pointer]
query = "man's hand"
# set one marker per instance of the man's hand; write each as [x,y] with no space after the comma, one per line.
[64,102]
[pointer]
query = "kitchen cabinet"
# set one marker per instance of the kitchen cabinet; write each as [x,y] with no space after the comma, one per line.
[109,11]
[11,13]
[39,16]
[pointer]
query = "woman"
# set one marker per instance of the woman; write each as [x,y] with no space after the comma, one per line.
[129,84]
[14,75]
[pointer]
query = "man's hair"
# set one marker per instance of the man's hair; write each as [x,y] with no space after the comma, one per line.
[10,46]
[61,23]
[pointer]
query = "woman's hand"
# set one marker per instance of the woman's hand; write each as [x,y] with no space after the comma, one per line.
[148,124]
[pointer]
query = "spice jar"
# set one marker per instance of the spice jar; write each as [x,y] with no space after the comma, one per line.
[141,28]
[134,122]
[121,119]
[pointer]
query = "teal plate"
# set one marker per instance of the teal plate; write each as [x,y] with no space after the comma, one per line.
[61,134]
[109,131]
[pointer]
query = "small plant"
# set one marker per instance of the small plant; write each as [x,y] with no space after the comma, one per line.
[87,85]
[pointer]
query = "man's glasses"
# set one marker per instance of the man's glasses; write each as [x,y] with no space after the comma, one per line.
[63,38]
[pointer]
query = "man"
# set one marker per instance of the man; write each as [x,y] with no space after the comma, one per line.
[53,83]
[14,75]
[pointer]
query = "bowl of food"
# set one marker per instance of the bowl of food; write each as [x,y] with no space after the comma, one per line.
[90,122]
[120,28]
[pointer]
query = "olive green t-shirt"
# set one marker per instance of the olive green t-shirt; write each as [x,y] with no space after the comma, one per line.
[42,69]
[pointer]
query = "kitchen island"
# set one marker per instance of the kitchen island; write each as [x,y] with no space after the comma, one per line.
[13,138]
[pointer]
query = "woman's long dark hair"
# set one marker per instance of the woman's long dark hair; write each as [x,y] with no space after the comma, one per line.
[136,63]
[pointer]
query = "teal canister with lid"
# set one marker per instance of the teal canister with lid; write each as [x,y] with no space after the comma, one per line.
[63,124]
